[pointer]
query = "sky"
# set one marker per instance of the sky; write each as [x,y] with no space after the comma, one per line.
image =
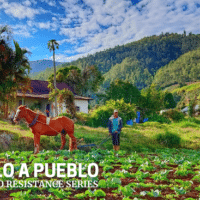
[83,27]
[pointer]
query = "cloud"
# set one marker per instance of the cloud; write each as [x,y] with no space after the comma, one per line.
[44,25]
[49,2]
[105,24]
[51,25]
[23,30]
[27,3]
[88,26]
[71,41]
[64,58]
[18,10]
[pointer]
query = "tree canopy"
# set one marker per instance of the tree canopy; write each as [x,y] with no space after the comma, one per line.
[120,89]
[152,100]
[83,82]
[185,69]
[14,69]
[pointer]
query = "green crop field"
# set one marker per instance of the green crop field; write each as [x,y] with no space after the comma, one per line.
[144,168]
[162,174]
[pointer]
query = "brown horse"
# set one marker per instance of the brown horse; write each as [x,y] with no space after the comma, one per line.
[38,125]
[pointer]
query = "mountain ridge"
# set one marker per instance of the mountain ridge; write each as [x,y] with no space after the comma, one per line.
[38,65]
[146,55]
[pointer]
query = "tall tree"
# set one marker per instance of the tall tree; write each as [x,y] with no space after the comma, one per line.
[123,89]
[69,75]
[169,100]
[152,100]
[91,79]
[52,46]
[14,69]
[82,82]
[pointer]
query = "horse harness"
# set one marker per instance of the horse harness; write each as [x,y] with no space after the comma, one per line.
[34,120]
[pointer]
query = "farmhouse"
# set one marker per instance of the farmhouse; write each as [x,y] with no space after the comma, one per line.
[39,97]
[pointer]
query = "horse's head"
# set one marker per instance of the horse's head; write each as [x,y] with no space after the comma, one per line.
[19,113]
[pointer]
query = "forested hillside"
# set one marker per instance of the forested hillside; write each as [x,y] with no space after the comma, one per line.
[185,69]
[145,57]
[130,70]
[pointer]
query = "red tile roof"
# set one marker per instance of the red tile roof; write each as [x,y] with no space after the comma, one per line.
[40,90]
[41,87]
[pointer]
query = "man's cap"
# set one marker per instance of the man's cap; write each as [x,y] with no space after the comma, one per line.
[115,110]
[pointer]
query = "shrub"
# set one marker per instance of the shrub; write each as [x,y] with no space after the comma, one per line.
[194,120]
[66,115]
[168,139]
[101,115]
[186,124]
[158,118]
[191,110]
[82,118]
[174,115]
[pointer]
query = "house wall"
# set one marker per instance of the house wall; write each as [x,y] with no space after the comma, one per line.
[30,101]
[82,104]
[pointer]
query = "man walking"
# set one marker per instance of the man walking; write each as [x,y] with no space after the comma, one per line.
[115,126]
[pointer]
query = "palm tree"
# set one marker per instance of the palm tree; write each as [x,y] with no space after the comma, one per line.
[52,46]
[14,69]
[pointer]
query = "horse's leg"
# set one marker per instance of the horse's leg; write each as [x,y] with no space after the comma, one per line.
[69,129]
[72,141]
[63,140]
[36,143]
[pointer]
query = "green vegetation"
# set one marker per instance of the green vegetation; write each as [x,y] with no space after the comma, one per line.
[169,139]
[64,96]
[148,101]
[151,101]
[169,101]
[133,137]
[101,115]
[166,173]
[130,70]
[185,95]
[82,82]
[158,118]
[184,69]
[174,115]
[123,89]
[14,69]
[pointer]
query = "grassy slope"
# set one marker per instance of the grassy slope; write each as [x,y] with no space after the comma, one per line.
[132,138]
[189,91]
[188,88]
[6,126]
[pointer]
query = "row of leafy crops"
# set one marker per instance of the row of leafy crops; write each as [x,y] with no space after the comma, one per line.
[163,174]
